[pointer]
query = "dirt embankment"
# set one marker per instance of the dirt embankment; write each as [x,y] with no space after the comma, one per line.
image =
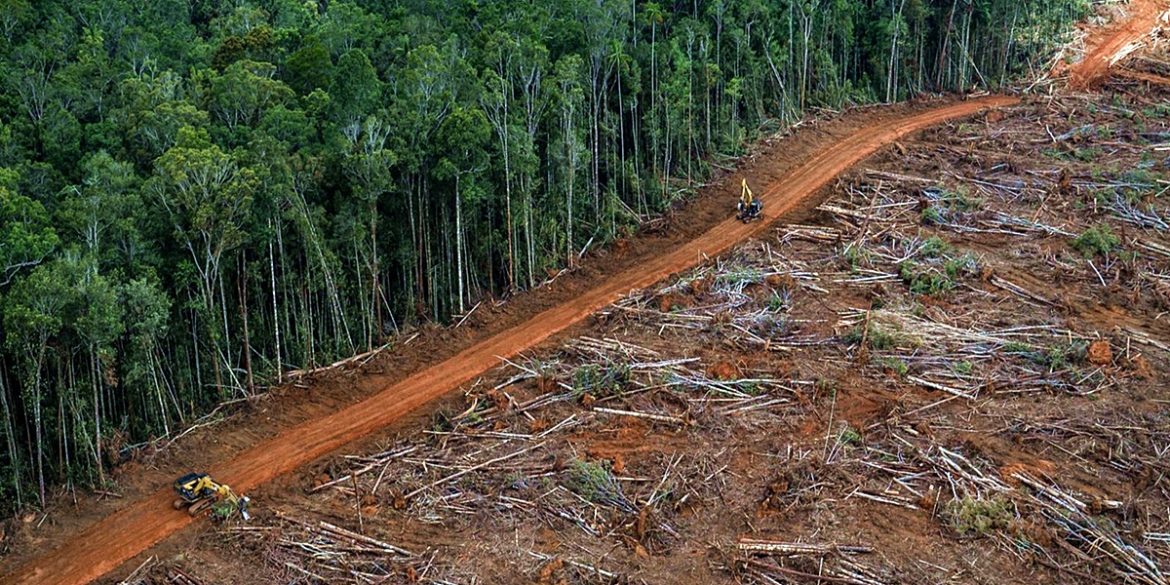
[131,530]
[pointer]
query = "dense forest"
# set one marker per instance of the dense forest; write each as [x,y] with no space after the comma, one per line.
[197,195]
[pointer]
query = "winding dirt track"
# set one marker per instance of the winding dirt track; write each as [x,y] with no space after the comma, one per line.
[130,531]
[1105,46]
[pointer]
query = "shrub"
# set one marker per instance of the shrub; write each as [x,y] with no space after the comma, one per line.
[594,482]
[963,368]
[897,366]
[599,380]
[979,517]
[932,216]
[925,281]
[878,338]
[1095,241]
[850,436]
[936,247]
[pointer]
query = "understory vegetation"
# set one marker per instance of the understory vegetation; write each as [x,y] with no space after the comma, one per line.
[198,196]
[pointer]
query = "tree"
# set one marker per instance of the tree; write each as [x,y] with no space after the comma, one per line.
[32,316]
[309,68]
[245,92]
[356,89]
[207,197]
[368,165]
[569,98]
[464,135]
[26,237]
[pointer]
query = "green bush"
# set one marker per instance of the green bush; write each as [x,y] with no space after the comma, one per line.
[936,247]
[594,482]
[932,216]
[897,366]
[1096,241]
[924,281]
[850,436]
[878,338]
[963,368]
[979,517]
[601,381]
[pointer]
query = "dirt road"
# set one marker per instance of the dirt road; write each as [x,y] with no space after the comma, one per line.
[1105,46]
[126,533]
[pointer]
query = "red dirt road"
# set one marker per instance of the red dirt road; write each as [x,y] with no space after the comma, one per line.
[1106,44]
[123,535]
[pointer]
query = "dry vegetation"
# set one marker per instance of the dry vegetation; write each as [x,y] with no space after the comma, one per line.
[955,371]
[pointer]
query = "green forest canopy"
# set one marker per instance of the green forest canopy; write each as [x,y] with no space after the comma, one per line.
[197,195]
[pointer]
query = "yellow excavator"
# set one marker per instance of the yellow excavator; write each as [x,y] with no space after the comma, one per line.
[198,492]
[749,207]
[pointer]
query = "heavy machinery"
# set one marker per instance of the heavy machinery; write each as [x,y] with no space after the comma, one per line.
[198,492]
[749,207]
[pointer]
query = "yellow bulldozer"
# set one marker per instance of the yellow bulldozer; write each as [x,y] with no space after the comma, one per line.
[198,492]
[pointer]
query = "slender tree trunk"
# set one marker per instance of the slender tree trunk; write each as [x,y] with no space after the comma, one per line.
[459,242]
[243,292]
[95,375]
[10,438]
[275,311]
[38,422]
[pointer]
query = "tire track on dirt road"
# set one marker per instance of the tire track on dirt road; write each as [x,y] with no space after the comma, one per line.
[124,534]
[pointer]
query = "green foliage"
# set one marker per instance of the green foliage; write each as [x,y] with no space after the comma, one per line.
[1054,358]
[971,517]
[899,367]
[601,380]
[1096,241]
[963,368]
[595,482]
[932,215]
[850,436]
[26,236]
[928,277]
[878,338]
[925,280]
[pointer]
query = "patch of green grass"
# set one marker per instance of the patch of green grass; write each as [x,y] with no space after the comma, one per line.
[878,338]
[979,517]
[898,366]
[964,265]
[857,257]
[1052,358]
[601,381]
[594,482]
[932,216]
[850,436]
[1095,241]
[924,281]
[963,368]
[776,303]
[936,247]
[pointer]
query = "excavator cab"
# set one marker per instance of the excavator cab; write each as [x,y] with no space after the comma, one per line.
[194,487]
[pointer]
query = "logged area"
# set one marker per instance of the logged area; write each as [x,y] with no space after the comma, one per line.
[129,531]
[1105,46]
[954,370]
